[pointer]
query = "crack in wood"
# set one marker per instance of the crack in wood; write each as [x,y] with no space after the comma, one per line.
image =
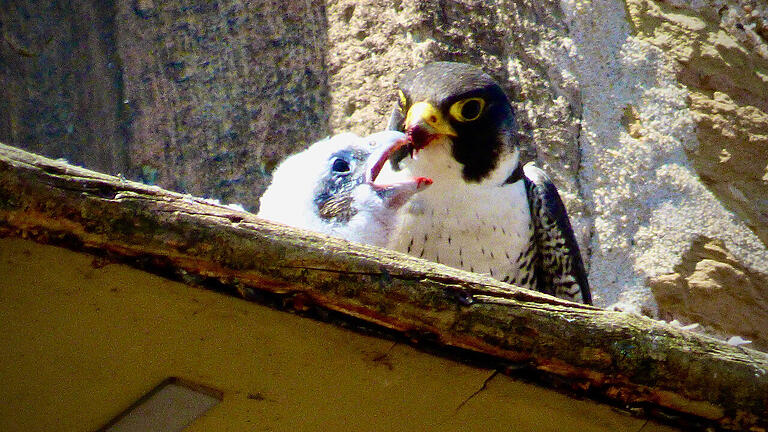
[476,392]
[643,426]
[383,358]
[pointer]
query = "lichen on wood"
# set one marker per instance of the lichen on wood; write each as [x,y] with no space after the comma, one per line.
[629,359]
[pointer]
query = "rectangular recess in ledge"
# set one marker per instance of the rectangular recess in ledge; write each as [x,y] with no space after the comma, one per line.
[169,407]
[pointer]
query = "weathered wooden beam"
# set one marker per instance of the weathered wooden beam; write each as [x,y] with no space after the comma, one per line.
[626,358]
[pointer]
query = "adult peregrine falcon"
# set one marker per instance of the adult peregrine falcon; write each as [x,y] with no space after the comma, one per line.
[332,188]
[485,212]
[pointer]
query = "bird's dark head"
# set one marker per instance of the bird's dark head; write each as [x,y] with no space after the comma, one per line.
[459,107]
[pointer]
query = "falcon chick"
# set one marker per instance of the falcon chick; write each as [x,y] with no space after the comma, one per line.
[332,188]
[485,212]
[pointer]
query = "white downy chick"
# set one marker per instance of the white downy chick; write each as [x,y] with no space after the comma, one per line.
[331,188]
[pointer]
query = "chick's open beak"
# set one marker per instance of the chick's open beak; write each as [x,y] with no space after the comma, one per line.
[394,195]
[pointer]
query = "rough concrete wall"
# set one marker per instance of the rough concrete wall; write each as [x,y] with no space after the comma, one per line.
[220,91]
[719,54]
[712,288]
[721,49]
[61,82]
[651,116]
[199,97]
[641,134]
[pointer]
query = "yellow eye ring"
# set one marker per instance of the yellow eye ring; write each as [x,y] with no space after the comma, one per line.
[402,100]
[468,109]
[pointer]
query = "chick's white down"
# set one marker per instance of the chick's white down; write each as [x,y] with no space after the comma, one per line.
[299,181]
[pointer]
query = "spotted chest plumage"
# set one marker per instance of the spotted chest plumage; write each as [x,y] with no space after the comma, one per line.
[495,239]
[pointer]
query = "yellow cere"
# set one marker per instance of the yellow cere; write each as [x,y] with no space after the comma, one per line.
[427,113]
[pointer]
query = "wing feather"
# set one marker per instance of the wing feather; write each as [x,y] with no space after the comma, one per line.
[559,264]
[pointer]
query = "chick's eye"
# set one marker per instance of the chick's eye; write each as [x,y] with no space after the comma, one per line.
[340,166]
[467,109]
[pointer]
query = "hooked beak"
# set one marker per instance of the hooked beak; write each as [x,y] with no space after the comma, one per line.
[424,123]
[394,195]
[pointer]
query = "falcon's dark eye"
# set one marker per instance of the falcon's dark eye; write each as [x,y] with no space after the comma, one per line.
[470,109]
[467,109]
[340,166]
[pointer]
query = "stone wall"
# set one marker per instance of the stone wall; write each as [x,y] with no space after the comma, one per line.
[719,56]
[651,116]
[61,82]
[199,97]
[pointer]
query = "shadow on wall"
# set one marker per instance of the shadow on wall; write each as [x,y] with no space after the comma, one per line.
[203,98]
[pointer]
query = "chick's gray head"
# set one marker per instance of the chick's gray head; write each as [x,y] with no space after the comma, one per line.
[331,188]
